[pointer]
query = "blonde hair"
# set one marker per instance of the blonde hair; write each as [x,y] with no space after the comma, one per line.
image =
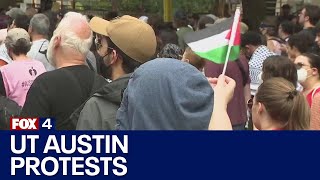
[284,104]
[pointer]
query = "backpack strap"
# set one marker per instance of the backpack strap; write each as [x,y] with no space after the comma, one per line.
[44,52]
[71,122]
[92,93]
[90,65]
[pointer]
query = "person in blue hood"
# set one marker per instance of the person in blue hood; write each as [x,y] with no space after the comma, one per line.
[166,94]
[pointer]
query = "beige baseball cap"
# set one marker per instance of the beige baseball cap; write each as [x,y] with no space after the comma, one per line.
[133,36]
[17,33]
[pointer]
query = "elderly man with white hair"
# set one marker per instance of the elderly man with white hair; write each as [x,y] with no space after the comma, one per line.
[60,92]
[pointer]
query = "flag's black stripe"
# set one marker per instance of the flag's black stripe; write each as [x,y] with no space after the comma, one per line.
[210,31]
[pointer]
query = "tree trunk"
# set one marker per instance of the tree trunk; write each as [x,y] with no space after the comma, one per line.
[114,4]
[253,13]
[73,4]
[219,8]
[141,6]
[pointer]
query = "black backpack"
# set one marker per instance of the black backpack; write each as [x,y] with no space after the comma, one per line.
[8,109]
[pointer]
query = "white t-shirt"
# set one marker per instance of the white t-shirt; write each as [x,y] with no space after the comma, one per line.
[4,54]
[37,53]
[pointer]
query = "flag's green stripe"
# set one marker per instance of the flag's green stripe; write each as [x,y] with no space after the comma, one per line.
[219,55]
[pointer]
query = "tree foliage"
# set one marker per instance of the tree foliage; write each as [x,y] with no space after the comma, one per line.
[195,6]
[95,4]
[149,6]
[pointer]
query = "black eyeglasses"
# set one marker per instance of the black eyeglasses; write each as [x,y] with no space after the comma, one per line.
[300,65]
[99,44]
[108,52]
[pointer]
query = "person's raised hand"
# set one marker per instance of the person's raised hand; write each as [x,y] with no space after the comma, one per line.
[223,89]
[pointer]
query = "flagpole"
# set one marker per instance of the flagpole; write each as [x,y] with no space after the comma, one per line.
[232,38]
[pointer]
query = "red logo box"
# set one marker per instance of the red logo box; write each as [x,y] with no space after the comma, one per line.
[24,124]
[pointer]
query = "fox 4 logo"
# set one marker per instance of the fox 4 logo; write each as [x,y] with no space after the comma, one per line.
[29,124]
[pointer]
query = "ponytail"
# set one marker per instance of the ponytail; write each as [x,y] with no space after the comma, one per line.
[299,118]
[284,104]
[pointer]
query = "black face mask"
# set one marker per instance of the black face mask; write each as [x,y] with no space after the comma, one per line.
[106,70]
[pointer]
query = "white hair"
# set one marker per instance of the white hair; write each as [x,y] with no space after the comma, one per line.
[66,30]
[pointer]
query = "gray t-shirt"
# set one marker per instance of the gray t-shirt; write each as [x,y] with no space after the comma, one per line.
[37,52]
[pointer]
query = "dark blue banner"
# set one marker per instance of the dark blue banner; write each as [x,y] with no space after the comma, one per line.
[159,155]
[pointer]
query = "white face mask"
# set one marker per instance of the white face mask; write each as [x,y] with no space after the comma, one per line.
[302,75]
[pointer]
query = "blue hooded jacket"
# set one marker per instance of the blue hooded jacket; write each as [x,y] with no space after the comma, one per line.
[166,94]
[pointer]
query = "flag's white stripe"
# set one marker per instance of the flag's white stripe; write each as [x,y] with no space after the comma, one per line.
[210,43]
[232,38]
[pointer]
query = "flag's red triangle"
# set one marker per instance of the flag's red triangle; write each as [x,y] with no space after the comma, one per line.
[237,39]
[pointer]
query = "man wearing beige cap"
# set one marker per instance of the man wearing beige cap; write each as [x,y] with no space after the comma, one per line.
[123,44]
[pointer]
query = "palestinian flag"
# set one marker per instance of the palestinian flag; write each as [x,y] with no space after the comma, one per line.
[212,43]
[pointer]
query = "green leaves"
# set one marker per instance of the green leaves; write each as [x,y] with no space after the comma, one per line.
[149,6]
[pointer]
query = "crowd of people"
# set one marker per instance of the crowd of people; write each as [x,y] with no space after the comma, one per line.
[127,73]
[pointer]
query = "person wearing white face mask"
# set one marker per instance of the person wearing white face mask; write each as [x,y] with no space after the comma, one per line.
[276,106]
[308,75]
[278,66]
